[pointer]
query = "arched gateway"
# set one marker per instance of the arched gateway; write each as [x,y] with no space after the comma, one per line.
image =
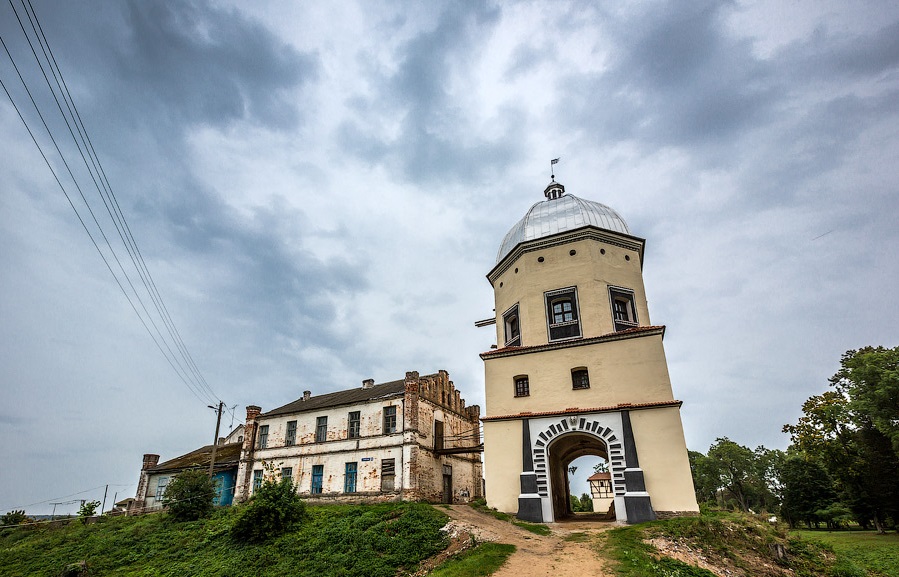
[579,369]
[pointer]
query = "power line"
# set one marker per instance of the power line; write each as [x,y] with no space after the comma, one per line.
[181,362]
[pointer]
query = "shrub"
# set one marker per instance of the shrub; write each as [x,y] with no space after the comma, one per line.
[275,509]
[14,518]
[88,508]
[189,496]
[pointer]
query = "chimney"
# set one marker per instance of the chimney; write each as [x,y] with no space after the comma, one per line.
[150,461]
[253,412]
[368,383]
[306,395]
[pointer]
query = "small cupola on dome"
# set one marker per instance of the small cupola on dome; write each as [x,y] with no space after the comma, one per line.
[560,212]
[554,190]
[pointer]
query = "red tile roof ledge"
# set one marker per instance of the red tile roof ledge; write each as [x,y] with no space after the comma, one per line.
[625,334]
[578,410]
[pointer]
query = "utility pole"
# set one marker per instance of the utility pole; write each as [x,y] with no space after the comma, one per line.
[215,441]
[103,506]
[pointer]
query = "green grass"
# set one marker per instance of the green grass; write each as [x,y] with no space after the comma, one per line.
[635,558]
[724,539]
[483,560]
[373,540]
[536,528]
[860,552]
[577,537]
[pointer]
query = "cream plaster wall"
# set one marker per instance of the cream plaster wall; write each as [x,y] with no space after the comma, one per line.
[502,458]
[631,370]
[662,451]
[589,270]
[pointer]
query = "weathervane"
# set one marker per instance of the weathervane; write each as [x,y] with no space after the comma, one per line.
[551,170]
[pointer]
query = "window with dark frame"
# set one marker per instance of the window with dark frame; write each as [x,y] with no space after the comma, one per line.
[580,378]
[353,425]
[388,474]
[321,429]
[263,436]
[318,473]
[257,479]
[623,312]
[438,434]
[291,437]
[390,419]
[161,484]
[562,314]
[349,478]
[522,387]
[512,326]
[287,473]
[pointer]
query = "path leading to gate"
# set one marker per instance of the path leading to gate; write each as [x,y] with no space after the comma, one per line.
[536,555]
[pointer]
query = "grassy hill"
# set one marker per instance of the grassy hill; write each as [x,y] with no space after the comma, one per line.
[375,540]
[739,545]
[392,539]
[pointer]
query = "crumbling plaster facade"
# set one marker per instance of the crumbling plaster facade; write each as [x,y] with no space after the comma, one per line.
[393,453]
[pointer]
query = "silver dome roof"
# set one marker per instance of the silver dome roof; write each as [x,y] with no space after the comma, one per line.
[560,214]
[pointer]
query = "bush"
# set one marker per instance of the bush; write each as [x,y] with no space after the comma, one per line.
[87,510]
[14,518]
[275,509]
[189,496]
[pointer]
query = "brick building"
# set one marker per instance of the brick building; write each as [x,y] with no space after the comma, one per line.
[409,439]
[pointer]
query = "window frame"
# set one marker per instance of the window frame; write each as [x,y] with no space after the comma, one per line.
[578,372]
[263,436]
[257,479]
[287,473]
[512,315]
[389,424]
[558,296]
[290,436]
[321,429]
[627,296]
[388,471]
[164,480]
[354,425]
[522,390]
[349,476]
[316,485]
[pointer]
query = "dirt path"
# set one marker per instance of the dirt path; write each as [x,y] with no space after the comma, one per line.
[537,556]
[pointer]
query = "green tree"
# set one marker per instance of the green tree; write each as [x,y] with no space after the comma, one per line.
[87,510]
[586,503]
[706,477]
[14,518]
[189,496]
[274,509]
[807,490]
[735,465]
[851,431]
[734,475]
[869,377]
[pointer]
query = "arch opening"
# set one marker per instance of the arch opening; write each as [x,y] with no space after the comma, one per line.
[562,452]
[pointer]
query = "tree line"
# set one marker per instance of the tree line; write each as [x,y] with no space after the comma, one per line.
[842,465]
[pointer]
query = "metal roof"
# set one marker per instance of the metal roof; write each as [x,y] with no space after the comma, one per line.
[567,212]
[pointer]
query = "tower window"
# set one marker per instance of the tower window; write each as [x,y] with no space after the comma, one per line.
[522,387]
[623,312]
[562,314]
[512,327]
[580,378]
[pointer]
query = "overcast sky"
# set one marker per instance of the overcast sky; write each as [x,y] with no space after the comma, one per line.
[319,189]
